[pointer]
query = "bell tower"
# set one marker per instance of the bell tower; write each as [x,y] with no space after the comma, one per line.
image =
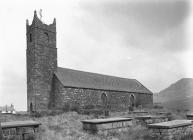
[41,54]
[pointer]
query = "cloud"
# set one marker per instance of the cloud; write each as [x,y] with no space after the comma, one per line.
[142,23]
[152,34]
[13,88]
[142,39]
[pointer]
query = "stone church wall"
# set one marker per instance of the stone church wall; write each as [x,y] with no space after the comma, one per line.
[116,100]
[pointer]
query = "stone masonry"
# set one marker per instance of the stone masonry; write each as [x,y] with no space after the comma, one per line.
[116,100]
[41,63]
[171,131]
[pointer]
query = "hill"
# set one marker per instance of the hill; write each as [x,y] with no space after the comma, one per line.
[178,96]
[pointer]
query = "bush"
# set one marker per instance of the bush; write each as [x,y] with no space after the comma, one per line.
[55,112]
[66,107]
[75,107]
[170,116]
[147,137]
[71,107]
[136,133]
[156,106]
[95,112]
[37,114]
[131,108]
[178,110]
[99,107]
[89,107]
[46,113]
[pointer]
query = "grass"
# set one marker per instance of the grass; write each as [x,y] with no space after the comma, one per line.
[68,126]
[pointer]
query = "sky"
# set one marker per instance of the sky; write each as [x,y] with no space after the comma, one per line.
[148,40]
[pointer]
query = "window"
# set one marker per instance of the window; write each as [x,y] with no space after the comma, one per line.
[132,100]
[31,107]
[30,37]
[46,37]
[104,99]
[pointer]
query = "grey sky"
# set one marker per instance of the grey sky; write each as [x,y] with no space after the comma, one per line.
[142,39]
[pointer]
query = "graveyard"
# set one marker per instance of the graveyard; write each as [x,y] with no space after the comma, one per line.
[127,125]
[99,72]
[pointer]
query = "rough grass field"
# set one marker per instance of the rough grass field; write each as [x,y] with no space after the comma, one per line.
[68,126]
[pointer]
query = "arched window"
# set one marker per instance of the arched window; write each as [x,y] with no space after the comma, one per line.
[30,37]
[46,37]
[132,100]
[104,99]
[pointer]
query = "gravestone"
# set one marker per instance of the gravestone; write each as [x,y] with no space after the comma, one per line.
[189,116]
[100,125]
[171,130]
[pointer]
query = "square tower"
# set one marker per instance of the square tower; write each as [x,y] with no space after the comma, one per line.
[41,56]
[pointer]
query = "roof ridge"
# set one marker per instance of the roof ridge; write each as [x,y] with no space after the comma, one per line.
[76,78]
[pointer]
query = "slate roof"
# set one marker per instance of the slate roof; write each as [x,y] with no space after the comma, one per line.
[80,79]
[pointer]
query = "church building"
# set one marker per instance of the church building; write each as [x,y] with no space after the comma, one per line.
[53,87]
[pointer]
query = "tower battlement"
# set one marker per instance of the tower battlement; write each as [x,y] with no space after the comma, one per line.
[37,23]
